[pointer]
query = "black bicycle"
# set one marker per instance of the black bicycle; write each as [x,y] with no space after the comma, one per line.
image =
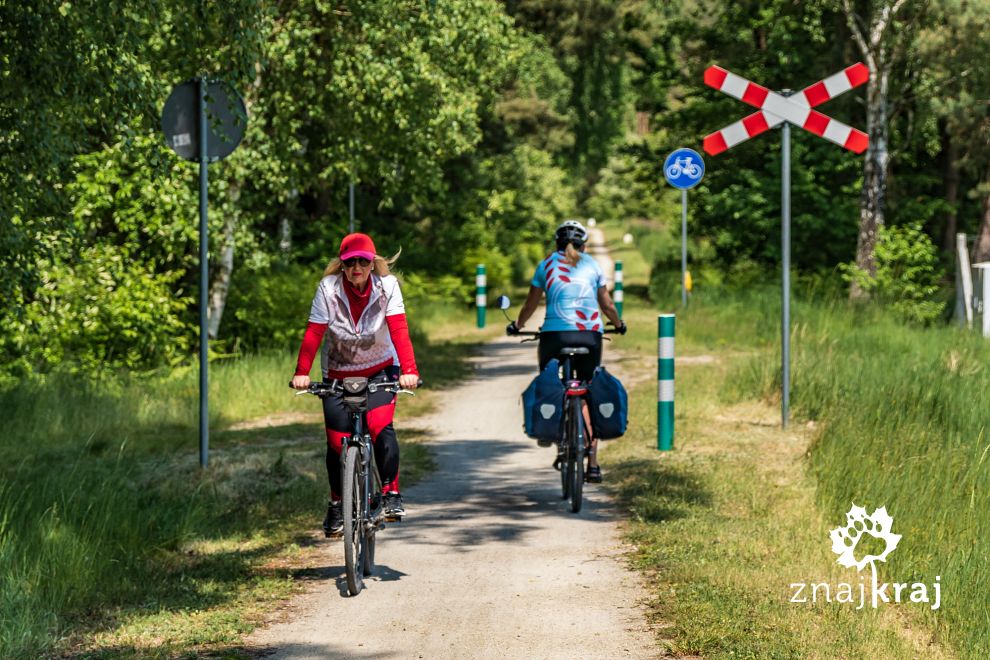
[573,447]
[363,503]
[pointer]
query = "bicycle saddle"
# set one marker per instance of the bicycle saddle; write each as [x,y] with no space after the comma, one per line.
[574,350]
[355,385]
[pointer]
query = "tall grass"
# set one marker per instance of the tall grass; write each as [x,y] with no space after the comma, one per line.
[904,415]
[102,504]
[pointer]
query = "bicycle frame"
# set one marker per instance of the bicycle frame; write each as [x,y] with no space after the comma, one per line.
[371,482]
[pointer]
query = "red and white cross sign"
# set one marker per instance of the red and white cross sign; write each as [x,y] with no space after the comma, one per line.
[776,109]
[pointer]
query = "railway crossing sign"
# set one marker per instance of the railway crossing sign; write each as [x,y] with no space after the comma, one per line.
[785,108]
[796,109]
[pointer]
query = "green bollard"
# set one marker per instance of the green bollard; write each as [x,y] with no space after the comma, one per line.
[480,299]
[618,287]
[665,382]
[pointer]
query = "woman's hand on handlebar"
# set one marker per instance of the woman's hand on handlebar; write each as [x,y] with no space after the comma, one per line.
[300,382]
[409,381]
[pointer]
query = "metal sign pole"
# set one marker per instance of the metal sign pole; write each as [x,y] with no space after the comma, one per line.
[204,339]
[187,133]
[350,203]
[785,245]
[778,109]
[684,248]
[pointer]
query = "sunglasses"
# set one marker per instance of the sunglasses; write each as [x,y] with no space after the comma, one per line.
[356,261]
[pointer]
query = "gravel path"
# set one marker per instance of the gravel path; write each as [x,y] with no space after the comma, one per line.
[489,563]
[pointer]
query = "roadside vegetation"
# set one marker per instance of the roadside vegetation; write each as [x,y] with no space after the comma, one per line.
[883,414]
[114,541]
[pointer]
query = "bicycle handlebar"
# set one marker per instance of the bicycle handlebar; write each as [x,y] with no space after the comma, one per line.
[318,388]
[535,334]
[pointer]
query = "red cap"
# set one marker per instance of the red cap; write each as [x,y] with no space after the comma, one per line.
[357,245]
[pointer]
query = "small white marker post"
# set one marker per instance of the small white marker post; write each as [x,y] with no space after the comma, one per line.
[618,288]
[984,267]
[665,382]
[481,294]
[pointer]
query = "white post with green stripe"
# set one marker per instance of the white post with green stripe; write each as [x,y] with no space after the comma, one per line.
[665,382]
[618,287]
[481,295]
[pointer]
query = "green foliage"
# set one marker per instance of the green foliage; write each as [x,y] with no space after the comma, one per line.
[908,274]
[267,308]
[98,313]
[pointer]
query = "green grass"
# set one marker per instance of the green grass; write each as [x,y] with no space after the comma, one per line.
[113,541]
[883,414]
[905,423]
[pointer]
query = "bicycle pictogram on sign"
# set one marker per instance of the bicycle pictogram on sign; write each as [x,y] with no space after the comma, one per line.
[684,168]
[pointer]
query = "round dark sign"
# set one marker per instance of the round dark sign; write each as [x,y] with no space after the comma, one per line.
[226,119]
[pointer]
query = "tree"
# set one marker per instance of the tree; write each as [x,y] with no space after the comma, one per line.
[959,95]
[882,30]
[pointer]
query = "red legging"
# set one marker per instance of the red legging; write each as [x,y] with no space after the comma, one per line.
[381,408]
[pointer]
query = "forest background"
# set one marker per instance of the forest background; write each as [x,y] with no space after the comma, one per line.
[470,129]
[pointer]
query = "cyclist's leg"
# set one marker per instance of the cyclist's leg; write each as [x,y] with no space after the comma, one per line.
[337,422]
[381,410]
[585,366]
[548,347]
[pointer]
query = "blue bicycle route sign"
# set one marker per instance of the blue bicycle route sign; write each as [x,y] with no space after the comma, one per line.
[684,168]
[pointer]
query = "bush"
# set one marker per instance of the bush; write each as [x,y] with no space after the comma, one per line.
[269,309]
[99,313]
[907,279]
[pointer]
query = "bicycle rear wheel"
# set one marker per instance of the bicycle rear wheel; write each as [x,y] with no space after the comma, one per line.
[353,510]
[575,456]
[562,449]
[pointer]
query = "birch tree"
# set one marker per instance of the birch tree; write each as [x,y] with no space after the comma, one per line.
[881,30]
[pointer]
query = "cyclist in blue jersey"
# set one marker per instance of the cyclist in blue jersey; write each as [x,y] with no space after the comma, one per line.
[576,300]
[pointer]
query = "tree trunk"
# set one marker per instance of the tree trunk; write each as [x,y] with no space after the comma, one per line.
[221,283]
[981,252]
[874,193]
[950,177]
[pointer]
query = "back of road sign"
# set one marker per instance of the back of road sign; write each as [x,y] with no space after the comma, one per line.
[226,120]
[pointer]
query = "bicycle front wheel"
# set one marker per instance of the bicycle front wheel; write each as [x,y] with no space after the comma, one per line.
[353,510]
[575,456]
[374,513]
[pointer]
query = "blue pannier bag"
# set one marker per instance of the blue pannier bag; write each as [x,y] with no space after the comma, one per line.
[608,405]
[543,404]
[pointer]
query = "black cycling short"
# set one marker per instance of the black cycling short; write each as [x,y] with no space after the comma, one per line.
[552,342]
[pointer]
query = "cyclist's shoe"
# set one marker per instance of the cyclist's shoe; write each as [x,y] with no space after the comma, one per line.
[333,524]
[393,505]
[543,442]
[558,462]
[593,475]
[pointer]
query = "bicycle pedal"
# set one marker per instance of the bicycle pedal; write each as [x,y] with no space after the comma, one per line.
[393,519]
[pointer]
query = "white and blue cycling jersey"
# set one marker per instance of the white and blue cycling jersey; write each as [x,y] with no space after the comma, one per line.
[572,293]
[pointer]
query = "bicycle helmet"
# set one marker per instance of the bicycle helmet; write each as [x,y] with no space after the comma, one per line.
[571,231]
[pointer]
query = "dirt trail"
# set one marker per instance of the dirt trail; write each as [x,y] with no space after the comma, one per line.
[490,563]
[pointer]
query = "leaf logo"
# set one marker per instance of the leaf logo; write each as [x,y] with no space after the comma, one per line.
[845,539]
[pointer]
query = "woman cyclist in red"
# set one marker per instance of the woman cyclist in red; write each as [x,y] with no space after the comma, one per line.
[576,299]
[358,306]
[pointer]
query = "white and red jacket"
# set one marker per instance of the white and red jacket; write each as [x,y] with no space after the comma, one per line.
[367,329]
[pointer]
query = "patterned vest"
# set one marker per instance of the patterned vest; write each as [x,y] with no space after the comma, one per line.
[352,347]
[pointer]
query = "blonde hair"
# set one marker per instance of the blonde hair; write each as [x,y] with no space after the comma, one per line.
[572,255]
[381,266]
